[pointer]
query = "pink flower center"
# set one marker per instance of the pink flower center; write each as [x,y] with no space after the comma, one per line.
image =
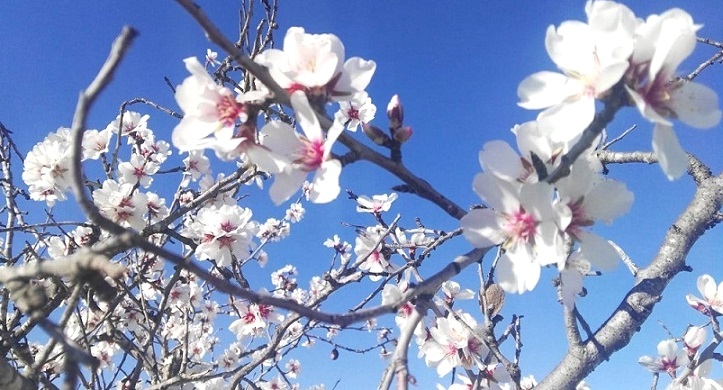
[656,92]
[521,226]
[227,110]
[353,113]
[249,318]
[670,366]
[310,154]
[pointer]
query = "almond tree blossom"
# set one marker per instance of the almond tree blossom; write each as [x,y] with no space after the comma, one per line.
[197,164]
[524,222]
[343,249]
[454,344]
[132,122]
[589,198]
[712,301]
[211,58]
[46,168]
[310,152]
[224,233]
[662,43]
[694,337]
[377,204]
[317,62]
[354,112]
[138,170]
[669,359]
[253,319]
[593,57]
[210,114]
[121,203]
[95,142]
[392,294]
[369,254]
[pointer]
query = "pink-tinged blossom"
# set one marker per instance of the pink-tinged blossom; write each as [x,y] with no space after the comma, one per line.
[224,233]
[46,168]
[138,171]
[317,63]
[454,344]
[197,164]
[293,368]
[155,207]
[95,143]
[669,359]
[662,43]
[500,159]
[593,57]
[342,248]
[369,254]
[376,204]
[121,203]
[104,352]
[712,301]
[253,319]
[212,58]
[395,112]
[393,294]
[273,230]
[211,113]
[307,153]
[295,212]
[522,220]
[589,198]
[694,337]
[353,113]
[494,376]
[453,291]
[132,122]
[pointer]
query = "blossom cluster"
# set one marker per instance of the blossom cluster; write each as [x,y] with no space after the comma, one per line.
[616,48]
[538,222]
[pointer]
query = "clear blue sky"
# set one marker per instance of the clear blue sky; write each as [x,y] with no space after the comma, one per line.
[456,67]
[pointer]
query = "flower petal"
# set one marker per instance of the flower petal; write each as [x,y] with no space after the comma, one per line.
[672,158]
[286,184]
[542,90]
[481,228]
[325,186]
[696,105]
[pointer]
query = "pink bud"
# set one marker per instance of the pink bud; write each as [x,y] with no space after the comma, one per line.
[694,338]
[395,112]
[402,134]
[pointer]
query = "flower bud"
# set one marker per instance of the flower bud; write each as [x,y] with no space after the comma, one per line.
[375,134]
[402,134]
[694,338]
[395,112]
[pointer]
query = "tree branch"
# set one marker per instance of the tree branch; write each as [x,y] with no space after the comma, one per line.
[638,304]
